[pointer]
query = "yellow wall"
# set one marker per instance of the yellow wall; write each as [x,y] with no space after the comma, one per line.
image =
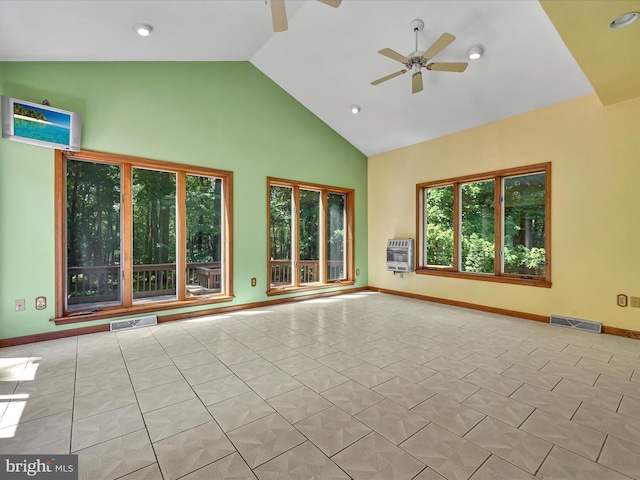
[595,155]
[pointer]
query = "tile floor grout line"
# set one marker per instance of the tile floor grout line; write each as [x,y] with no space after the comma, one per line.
[606,437]
[73,398]
[135,393]
[527,418]
[574,413]
[553,445]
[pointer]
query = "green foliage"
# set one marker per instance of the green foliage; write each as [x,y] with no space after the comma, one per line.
[524,225]
[309,230]
[478,237]
[524,260]
[154,228]
[204,219]
[280,206]
[31,113]
[336,204]
[478,254]
[439,227]
[440,245]
[93,214]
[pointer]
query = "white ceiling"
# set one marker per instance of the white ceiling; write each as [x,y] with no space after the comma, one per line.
[328,57]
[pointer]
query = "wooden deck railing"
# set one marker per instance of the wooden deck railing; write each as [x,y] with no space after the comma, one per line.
[100,284]
[309,271]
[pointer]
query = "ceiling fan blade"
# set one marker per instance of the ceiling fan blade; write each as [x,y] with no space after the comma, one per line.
[388,77]
[416,82]
[331,3]
[279,16]
[448,67]
[387,52]
[439,45]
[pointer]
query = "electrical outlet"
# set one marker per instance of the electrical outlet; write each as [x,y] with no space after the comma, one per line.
[622,300]
[20,305]
[41,303]
[357,272]
[253,282]
[635,302]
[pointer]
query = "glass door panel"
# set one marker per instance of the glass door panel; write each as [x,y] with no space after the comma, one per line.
[280,233]
[204,236]
[93,235]
[336,238]
[154,236]
[309,236]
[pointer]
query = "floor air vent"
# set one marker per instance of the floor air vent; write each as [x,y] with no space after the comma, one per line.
[127,323]
[576,323]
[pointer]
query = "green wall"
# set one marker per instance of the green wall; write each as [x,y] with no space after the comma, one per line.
[225,115]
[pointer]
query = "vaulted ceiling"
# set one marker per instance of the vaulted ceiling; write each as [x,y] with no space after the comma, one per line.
[537,53]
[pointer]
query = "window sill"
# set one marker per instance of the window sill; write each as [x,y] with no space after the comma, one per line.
[514,280]
[113,313]
[306,288]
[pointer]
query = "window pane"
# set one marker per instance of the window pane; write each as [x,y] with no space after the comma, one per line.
[439,226]
[336,204]
[280,210]
[93,235]
[154,235]
[524,224]
[477,232]
[204,235]
[309,236]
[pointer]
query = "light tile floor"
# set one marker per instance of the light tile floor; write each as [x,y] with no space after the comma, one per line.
[362,386]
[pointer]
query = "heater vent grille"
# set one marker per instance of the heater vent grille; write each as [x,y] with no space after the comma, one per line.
[400,255]
[137,322]
[576,323]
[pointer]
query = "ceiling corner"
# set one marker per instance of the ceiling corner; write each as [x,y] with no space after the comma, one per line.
[610,59]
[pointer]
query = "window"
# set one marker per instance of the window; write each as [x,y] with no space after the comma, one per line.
[139,235]
[310,235]
[492,226]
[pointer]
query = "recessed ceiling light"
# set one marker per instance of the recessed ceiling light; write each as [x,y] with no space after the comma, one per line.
[624,20]
[475,52]
[143,29]
[355,109]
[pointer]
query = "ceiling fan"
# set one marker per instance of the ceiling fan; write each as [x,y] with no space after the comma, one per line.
[417,59]
[279,13]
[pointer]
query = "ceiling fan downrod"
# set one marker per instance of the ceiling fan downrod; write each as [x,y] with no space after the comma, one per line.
[416,61]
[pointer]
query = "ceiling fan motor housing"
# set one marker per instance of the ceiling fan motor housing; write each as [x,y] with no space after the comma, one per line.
[416,61]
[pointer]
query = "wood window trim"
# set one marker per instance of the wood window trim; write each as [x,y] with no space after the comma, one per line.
[127,163]
[309,286]
[498,276]
[349,233]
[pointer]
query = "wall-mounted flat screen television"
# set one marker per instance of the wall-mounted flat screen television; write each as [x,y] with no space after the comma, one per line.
[41,125]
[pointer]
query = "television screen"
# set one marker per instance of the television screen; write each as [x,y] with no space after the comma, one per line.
[41,125]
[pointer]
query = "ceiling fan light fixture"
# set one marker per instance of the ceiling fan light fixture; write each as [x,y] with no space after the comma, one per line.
[624,20]
[143,29]
[355,109]
[475,52]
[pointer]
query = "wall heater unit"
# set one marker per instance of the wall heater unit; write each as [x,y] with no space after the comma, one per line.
[400,255]
[137,322]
